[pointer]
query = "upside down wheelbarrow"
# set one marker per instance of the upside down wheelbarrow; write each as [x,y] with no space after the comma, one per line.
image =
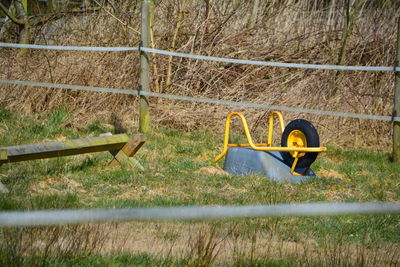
[299,144]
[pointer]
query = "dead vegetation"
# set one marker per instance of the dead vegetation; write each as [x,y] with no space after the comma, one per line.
[36,246]
[319,32]
[198,244]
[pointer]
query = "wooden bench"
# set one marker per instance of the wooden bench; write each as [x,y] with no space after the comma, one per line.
[121,146]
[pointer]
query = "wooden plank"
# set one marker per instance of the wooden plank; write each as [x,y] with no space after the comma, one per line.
[396,111]
[3,156]
[124,160]
[133,145]
[65,148]
[129,149]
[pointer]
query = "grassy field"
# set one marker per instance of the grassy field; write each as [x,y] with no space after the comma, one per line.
[179,172]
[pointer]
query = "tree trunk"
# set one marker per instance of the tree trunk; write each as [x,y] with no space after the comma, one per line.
[152,44]
[253,15]
[353,12]
[7,21]
[173,42]
[49,6]
[24,36]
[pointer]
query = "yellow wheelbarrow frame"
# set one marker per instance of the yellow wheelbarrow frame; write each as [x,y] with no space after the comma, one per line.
[297,150]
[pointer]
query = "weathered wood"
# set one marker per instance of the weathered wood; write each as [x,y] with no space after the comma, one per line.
[65,148]
[129,149]
[144,113]
[124,160]
[120,146]
[396,112]
[133,145]
[3,156]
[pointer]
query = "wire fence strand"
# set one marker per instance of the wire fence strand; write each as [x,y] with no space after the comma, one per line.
[57,217]
[201,57]
[70,48]
[202,100]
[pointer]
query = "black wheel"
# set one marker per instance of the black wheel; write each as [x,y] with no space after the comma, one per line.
[300,133]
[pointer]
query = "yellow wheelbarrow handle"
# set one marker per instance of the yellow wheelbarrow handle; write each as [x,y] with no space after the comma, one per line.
[263,147]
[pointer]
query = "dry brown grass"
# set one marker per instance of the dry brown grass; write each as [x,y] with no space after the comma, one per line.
[33,246]
[206,244]
[198,244]
[288,31]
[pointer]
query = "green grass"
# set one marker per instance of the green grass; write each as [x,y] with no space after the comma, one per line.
[172,160]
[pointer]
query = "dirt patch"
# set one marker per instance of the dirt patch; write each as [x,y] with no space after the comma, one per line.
[364,173]
[230,245]
[46,186]
[53,185]
[211,170]
[330,174]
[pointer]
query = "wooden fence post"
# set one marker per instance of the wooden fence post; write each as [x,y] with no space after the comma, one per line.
[396,124]
[144,114]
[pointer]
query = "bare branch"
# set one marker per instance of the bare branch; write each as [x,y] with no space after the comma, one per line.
[119,20]
[10,15]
